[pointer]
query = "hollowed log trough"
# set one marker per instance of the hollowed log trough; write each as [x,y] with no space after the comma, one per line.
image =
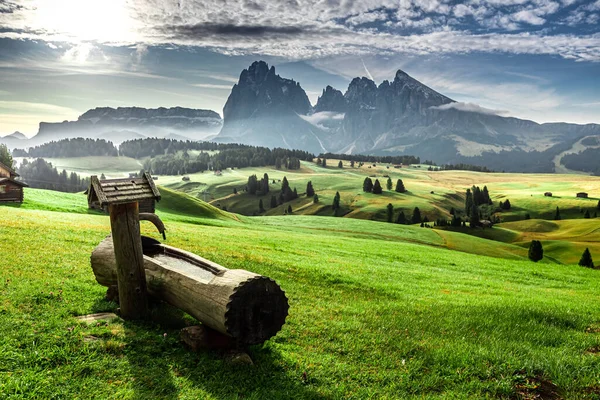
[246,306]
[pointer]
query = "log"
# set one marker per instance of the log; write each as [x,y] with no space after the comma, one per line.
[246,306]
[129,262]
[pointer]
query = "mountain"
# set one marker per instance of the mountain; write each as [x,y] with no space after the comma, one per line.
[106,122]
[265,109]
[16,135]
[403,116]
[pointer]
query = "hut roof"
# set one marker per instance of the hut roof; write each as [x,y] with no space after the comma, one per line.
[11,171]
[18,183]
[121,191]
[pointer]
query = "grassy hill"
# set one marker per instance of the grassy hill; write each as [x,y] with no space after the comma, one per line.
[377,311]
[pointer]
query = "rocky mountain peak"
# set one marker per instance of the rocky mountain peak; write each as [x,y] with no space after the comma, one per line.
[331,100]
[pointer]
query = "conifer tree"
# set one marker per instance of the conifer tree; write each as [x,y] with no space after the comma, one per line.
[5,156]
[587,214]
[340,164]
[234,190]
[273,201]
[389,184]
[265,181]
[336,201]
[557,215]
[536,251]
[377,187]
[474,216]
[316,198]
[295,193]
[289,209]
[252,184]
[468,201]
[401,219]
[285,185]
[368,185]
[586,259]
[102,177]
[390,212]
[324,162]
[261,208]
[310,192]
[400,186]
[352,165]
[416,217]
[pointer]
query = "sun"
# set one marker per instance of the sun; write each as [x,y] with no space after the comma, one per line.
[104,21]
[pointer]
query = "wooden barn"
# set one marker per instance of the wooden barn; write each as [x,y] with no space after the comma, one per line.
[11,190]
[124,186]
[582,195]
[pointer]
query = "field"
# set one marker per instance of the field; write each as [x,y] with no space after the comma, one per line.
[375,313]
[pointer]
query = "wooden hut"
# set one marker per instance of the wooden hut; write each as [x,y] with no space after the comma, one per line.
[11,190]
[147,205]
[583,195]
[548,194]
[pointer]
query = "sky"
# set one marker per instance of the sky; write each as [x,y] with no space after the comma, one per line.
[532,59]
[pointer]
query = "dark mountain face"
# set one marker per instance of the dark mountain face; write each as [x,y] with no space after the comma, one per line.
[266,109]
[403,116]
[331,100]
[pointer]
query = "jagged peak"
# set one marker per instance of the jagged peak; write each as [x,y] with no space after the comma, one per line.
[402,75]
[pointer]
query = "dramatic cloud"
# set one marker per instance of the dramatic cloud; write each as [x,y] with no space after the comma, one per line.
[309,29]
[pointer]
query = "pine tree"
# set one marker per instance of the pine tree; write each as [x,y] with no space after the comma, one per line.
[468,201]
[5,156]
[377,187]
[102,177]
[587,214]
[486,195]
[368,185]
[285,185]
[252,184]
[319,161]
[340,164]
[557,215]
[352,165]
[316,198]
[289,209]
[324,163]
[506,205]
[416,217]
[474,216]
[536,251]
[310,192]
[452,212]
[265,188]
[389,184]
[295,193]
[336,201]
[401,219]
[390,211]
[586,259]
[400,186]
[261,208]
[273,201]
[234,190]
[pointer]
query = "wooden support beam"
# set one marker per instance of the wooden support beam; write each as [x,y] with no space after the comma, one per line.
[131,278]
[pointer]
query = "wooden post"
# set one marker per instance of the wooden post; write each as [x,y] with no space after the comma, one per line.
[125,226]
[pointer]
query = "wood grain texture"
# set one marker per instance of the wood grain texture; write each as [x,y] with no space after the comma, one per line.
[129,260]
[246,306]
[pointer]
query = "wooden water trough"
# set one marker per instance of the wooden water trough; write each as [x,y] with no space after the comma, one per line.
[246,306]
[243,305]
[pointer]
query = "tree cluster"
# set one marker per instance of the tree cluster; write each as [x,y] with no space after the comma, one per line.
[42,175]
[256,187]
[407,160]
[77,147]
[5,156]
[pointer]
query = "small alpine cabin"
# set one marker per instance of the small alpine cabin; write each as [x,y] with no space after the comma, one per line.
[582,195]
[122,188]
[11,190]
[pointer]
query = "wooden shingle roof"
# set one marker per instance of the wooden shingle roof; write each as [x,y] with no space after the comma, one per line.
[121,191]
[12,172]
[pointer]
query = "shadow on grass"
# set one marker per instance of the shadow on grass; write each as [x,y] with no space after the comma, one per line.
[160,366]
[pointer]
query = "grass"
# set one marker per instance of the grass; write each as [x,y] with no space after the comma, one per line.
[377,311]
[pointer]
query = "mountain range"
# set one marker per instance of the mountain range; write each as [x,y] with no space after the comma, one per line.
[401,116]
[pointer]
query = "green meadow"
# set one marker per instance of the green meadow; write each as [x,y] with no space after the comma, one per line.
[377,310]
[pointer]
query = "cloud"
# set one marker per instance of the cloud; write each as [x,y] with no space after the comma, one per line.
[470,107]
[307,29]
[212,86]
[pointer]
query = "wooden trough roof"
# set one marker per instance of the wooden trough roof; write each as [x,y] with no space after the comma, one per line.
[18,183]
[121,191]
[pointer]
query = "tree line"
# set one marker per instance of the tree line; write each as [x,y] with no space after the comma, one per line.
[78,147]
[43,175]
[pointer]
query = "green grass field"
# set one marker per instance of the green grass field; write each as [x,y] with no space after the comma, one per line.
[377,311]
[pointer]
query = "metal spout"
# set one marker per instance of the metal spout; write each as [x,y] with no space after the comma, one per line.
[156,221]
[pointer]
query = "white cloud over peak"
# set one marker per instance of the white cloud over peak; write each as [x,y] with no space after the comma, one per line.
[471,107]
